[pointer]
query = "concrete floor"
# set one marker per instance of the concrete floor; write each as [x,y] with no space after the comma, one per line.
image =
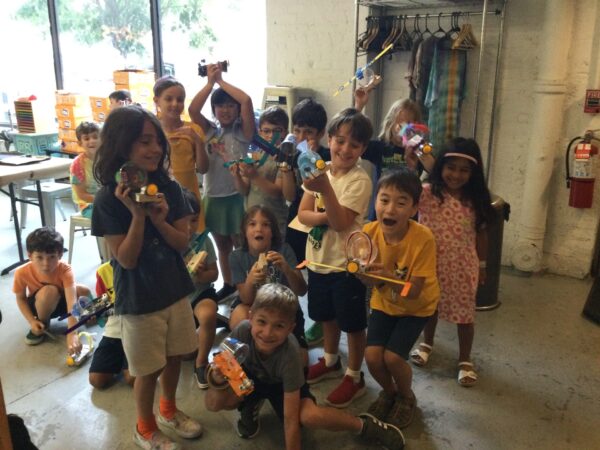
[536,355]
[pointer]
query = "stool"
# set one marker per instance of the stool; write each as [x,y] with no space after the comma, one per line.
[51,191]
[78,221]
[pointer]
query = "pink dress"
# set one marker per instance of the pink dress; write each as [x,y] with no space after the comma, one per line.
[453,225]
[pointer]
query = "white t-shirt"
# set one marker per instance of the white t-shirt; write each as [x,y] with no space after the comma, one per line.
[353,191]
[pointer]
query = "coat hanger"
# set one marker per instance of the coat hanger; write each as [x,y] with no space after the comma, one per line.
[365,34]
[427,32]
[416,32]
[373,34]
[440,32]
[404,41]
[454,27]
[465,40]
[394,31]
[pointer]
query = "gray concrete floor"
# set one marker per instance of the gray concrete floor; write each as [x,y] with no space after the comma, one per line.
[537,359]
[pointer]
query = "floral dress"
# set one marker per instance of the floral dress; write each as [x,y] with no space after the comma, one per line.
[453,225]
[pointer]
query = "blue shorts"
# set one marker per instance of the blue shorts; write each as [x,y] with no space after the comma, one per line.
[109,357]
[337,296]
[397,334]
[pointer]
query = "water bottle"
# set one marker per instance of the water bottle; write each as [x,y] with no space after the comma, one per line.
[239,350]
[80,306]
[310,164]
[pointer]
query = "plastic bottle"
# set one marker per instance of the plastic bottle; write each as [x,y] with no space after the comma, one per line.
[238,349]
[80,306]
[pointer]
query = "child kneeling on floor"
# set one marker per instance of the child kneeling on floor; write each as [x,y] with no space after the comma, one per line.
[275,365]
[406,252]
[45,287]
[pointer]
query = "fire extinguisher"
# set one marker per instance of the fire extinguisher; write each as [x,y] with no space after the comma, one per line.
[581,182]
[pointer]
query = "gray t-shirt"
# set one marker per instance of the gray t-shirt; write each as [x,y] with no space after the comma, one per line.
[257,196]
[223,145]
[241,261]
[283,366]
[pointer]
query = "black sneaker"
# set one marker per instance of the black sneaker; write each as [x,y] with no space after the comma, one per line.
[34,339]
[200,376]
[248,425]
[387,435]
[403,411]
[225,291]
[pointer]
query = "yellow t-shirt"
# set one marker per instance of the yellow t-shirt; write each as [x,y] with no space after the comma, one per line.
[353,191]
[414,256]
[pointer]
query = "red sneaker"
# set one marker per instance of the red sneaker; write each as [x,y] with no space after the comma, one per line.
[320,371]
[346,392]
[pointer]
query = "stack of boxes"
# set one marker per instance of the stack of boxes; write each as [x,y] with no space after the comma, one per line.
[71,110]
[100,108]
[139,83]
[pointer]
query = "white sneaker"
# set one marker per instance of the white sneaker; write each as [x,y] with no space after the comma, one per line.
[182,424]
[158,441]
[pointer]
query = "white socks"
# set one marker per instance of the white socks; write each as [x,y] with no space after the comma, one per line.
[330,359]
[355,374]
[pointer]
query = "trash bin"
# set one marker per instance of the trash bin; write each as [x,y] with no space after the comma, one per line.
[487,294]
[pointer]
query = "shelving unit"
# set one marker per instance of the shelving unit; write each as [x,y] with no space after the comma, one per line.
[482,8]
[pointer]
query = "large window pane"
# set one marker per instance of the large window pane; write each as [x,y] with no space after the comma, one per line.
[27,67]
[233,30]
[98,37]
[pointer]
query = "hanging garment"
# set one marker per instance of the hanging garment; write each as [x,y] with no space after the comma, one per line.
[423,64]
[445,92]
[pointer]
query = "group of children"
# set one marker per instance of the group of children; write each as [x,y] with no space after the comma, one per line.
[163,313]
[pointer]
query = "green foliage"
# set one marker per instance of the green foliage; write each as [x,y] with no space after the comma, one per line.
[123,22]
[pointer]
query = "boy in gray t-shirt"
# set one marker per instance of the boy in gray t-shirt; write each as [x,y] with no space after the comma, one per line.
[275,366]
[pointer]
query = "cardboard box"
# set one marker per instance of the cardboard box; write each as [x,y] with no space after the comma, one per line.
[70,98]
[72,112]
[133,77]
[67,135]
[71,123]
[100,104]
[99,116]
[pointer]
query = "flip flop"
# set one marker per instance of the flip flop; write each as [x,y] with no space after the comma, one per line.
[420,355]
[467,377]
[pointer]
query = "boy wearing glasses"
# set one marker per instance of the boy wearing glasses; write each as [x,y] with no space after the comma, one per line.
[264,185]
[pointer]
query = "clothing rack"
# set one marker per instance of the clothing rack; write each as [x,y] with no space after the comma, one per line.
[484,13]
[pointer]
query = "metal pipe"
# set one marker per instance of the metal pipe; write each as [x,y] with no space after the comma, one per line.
[356,18]
[58,68]
[495,95]
[159,67]
[479,64]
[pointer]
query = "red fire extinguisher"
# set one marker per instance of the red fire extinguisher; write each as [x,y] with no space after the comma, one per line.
[581,182]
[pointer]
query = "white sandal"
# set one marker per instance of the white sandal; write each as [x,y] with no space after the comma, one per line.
[466,377]
[420,355]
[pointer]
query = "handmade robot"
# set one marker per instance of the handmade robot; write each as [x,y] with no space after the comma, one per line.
[86,308]
[136,179]
[360,252]
[415,135]
[203,67]
[87,347]
[232,353]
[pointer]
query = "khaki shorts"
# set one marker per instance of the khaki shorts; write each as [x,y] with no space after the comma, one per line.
[148,339]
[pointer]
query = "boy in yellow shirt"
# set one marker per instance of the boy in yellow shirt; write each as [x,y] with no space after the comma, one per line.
[406,251]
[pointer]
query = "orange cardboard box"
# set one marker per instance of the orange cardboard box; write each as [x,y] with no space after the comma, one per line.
[71,123]
[100,104]
[67,135]
[99,116]
[132,77]
[70,98]
[72,112]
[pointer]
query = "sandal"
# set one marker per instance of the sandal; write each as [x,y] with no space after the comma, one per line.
[420,355]
[467,377]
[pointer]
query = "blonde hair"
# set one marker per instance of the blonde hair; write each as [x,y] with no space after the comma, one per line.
[277,297]
[404,104]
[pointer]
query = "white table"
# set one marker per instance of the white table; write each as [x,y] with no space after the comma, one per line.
[51,168]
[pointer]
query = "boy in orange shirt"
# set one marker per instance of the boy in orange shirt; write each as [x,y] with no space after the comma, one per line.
[45,287]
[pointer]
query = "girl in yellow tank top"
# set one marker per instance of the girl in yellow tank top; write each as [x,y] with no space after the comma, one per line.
[186,139]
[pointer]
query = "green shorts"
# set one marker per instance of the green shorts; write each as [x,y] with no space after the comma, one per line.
[224,214]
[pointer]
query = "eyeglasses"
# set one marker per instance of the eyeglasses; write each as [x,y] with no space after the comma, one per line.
[271,131]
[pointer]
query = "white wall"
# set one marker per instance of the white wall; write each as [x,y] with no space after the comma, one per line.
[311,44]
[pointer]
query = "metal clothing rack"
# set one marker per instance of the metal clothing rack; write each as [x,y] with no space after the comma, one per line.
[484,13]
